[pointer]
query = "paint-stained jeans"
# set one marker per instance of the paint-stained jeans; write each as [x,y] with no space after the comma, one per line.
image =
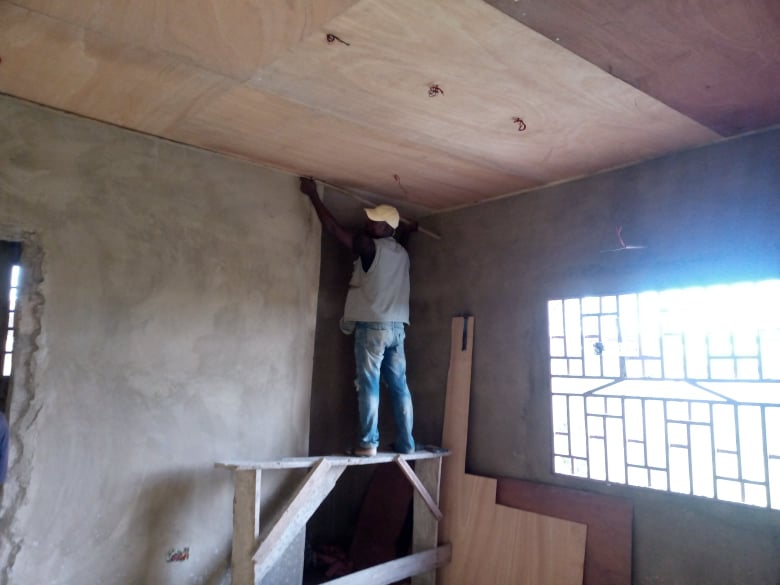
[379,350]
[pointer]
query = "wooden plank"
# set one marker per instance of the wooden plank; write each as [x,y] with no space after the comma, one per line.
[246,512]
[398,569]
[315,487]
[609,520]
[425,528]
[492,543]
[419,487]
[303,462]
[456,416]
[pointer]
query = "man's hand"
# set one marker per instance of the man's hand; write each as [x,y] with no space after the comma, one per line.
[309,187]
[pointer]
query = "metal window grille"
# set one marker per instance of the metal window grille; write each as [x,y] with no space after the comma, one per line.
[675,390]
[13,293]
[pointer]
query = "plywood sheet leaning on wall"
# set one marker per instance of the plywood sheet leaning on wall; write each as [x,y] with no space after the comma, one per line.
[492,543]
[609,520]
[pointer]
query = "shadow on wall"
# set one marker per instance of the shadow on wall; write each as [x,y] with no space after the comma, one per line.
[176,535]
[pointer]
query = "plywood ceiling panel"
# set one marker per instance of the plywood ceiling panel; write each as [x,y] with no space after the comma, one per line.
[715,61]
[66,67]
[490,70]
[257,79]
[299,139]
[230,37]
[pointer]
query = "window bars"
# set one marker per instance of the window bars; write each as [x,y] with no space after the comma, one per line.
[675,390]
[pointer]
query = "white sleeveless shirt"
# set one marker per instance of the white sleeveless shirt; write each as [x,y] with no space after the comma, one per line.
[381,294]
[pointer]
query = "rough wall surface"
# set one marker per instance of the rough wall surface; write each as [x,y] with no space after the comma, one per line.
[168,319]
[706,215]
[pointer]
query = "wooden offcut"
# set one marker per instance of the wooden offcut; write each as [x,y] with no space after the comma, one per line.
[609,520]
[492,543]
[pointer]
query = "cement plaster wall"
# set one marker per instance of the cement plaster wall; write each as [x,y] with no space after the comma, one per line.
[168,318]
[707,215]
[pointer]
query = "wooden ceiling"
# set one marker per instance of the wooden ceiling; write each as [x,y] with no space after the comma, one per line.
[594,84]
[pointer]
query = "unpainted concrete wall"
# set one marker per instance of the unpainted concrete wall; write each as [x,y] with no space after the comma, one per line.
[168,318]
[706,216]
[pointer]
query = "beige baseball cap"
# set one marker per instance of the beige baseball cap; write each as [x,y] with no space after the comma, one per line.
[385,213]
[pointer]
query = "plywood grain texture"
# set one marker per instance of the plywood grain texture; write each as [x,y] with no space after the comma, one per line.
[258,80]
[67,67]
[297,138]
[490,70]
[609,520]
[492,543]
[717,62]
[232,38]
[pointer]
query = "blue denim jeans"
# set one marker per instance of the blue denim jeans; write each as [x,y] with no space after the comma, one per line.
[379,351]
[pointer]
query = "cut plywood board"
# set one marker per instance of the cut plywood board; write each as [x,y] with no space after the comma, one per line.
[492,543]
[503,546]
[609,520]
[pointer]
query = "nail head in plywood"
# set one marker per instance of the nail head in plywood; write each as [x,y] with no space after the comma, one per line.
[258,125]
[490,65]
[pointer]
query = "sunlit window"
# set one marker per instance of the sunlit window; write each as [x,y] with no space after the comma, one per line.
[13,295]
[676,390]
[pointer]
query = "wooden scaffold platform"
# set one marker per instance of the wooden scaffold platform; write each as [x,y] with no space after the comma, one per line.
[253,556]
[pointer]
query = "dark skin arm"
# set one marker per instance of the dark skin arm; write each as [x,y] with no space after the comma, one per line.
[359,243]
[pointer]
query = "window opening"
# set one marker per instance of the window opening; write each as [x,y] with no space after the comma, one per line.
[676,390]
[10,280]
[13,296]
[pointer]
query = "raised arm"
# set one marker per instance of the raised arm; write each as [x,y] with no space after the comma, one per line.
[346,237]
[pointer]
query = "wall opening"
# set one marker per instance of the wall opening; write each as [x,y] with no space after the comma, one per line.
[10,278]
[676,390]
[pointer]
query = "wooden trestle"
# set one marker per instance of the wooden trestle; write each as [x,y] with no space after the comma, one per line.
[253,555]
